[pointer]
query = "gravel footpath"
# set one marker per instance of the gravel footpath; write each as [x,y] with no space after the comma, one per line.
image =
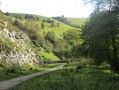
[5,85]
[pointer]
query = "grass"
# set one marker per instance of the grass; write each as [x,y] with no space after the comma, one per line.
[70,78]
[77,21]
[59,31]
[8,72]
[48,56]
[51,65]
[39,33]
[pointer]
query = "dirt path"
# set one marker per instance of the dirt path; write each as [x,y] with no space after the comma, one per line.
[4,85]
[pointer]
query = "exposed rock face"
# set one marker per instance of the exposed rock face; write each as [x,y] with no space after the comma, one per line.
[20,52]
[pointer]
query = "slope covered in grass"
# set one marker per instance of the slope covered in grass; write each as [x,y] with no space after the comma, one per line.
[48,35]
[77,21]
[74,22]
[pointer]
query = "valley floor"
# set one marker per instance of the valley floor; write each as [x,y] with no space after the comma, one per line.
[8,71]
[12,82]
[72,77]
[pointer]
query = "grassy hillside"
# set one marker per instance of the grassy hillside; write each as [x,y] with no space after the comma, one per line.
[47,34]
[37,19]
[53,42]
[74,22]
[77,21]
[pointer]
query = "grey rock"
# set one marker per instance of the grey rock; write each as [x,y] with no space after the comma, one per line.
[22,54]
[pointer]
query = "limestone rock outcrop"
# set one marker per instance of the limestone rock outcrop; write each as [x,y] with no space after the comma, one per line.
[15,48]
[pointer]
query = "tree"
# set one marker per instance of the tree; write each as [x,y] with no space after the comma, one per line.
[19,24]
[103,4]
[61,49]
[42,25]
[100,35]
[51,36]
[60,18]
[49,20]
[108,28]
[72,36]
[58,25]
[19,17]
[7,13]
[52,24]
[44,20]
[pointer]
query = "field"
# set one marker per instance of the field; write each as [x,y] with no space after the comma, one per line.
[72,77]
[77,21]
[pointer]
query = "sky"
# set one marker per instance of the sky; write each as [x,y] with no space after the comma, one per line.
[49,8]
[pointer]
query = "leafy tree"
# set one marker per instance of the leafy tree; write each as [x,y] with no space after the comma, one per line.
[60,18]
[51,36]
[58,25]
[100,35]
[42,25]
[106,23]
[61,48]
[44,20]
[19,24]
[29,17]
[19,17]
[37,19]
[72,36]
[103,4]
[52,24]
[7,13]
[49,20]
[33,17]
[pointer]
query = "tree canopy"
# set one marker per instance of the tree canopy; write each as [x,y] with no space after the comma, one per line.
[101,33]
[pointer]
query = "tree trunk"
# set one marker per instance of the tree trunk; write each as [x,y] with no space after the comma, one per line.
[108,55]
[114,63]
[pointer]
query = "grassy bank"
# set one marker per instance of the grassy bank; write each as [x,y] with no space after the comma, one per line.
[8,72]
[72,78]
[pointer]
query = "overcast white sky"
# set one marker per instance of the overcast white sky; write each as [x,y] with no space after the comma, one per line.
[68,8]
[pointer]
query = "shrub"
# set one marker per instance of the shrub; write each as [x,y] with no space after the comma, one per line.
[10,70]
[83,63]
[51,36]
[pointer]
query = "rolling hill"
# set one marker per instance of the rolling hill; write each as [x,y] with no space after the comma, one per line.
[74,22]
[77,21]
[49,36]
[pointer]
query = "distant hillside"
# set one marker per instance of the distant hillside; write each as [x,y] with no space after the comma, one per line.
[49,24]
[74,22]
[52,39]
[77,21]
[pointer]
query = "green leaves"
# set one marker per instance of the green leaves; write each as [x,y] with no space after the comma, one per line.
[100,35]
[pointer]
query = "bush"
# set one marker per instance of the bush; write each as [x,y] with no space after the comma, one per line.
[43,25]
[51,36]
[80,66]
[10,70]
[83,63]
